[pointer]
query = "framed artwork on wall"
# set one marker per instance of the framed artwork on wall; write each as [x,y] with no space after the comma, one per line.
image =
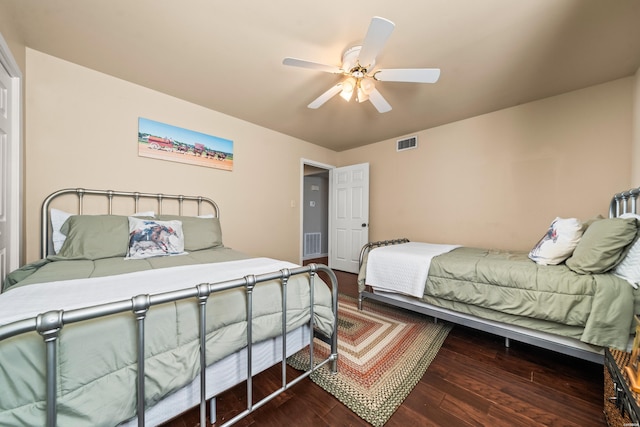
[166,142]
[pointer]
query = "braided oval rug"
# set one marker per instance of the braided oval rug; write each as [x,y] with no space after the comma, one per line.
[382,354]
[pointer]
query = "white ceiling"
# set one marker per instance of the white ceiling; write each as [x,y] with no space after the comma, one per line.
[227,55]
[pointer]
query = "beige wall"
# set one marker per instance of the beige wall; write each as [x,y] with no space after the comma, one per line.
[635,158]
[82,132]
[10,33]
[495,180]
[499,179]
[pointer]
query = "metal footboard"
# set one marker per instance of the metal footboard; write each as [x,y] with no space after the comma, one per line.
[50,324]
[372,245]
[364,252]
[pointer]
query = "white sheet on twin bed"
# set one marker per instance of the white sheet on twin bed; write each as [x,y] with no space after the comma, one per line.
[27,301]
[402,268]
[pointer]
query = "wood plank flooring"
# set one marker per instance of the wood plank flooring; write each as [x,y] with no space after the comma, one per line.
[473,381]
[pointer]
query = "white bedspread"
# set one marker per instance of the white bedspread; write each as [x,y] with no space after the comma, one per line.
[27,301]
[402,268]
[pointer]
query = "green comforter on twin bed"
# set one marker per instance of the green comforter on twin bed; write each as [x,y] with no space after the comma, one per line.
[97,358]
[508,287]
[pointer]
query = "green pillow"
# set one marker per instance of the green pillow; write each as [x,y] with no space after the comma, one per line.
[603,245]
[199,233]
[94,237]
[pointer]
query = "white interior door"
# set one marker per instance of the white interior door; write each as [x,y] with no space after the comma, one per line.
[5,131]
[349,216]
[10,155]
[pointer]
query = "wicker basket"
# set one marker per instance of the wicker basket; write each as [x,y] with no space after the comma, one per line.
[611,412]
[615,415]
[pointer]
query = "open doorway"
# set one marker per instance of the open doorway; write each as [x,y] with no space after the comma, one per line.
[334,224]
[314,211]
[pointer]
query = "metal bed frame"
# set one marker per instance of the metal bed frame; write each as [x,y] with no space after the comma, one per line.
[50,324]
[625,202]
[621,203]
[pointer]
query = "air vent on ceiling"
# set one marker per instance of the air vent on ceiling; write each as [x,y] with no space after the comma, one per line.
[407,143]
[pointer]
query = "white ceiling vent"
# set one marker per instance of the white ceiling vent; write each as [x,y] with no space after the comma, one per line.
[407,143]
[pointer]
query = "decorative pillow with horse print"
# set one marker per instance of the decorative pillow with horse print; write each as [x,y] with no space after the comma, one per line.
[150,238]
[559,241]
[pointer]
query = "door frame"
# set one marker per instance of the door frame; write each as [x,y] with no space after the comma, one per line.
[329,168]
[15,160]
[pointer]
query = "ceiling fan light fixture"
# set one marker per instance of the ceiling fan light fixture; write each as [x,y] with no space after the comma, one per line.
[367,86]
[361,96]
[346,95]
[348,87]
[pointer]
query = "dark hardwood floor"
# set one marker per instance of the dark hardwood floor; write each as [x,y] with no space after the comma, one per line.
[473,381]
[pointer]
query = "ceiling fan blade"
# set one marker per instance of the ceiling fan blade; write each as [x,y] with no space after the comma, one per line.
[294,62]
[379,32]
[379,102]
[317,103]
[409,75]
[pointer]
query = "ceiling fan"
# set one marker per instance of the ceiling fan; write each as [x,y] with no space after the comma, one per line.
[358,64]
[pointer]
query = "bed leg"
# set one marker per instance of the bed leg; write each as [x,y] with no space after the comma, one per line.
[212,410]
[334,363]
[507,343]
[360,301]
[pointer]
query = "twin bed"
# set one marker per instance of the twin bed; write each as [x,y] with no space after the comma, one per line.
[132,319]
[575,292]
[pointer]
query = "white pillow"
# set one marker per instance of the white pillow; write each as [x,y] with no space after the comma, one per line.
[59,217]
[150,238]
[629,267]
[558,243]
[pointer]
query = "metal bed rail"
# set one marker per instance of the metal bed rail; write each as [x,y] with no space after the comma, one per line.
[81,193]
[625,202]
[50,324]
[364,252]
[372,245]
